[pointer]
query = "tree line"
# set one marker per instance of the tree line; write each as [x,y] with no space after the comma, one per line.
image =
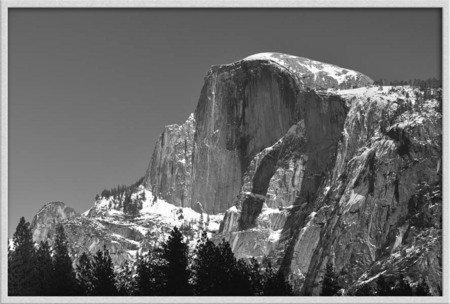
[423,84]
[120,190]
[168,270]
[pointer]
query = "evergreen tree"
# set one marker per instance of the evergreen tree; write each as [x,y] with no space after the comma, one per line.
[205,267]
[241,279]
[63,275]
[256,277]
[44,266]
[330,285]
[104,282]
[150,275]
[383,289]
[364,291]
[124,280]
[84,276]
[216,272]
[143,285]
[423,289]
[175,252]
[22,273]
[275,284]
[402,288]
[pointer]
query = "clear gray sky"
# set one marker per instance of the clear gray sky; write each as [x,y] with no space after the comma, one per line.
[90,90]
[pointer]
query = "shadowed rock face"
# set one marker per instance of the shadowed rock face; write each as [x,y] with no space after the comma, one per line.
[244,107]
[248,106]
[309,163]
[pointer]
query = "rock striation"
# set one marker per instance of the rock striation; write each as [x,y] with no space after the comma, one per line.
[169,174]
[296,162]
[244,107]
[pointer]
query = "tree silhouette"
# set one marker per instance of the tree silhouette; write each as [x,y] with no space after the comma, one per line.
[150,276]
[364,291]
[22,273]
[423,289]
[402,288]
[175,252]
[104,283]
[330,285]
[256,277]
[206,268]
[44,266]
[275,284]
[124,280]
[383,289]
[63,275]
[84,276]
[216,272]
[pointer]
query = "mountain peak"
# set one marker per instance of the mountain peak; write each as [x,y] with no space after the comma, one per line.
[48,216]
[320,73]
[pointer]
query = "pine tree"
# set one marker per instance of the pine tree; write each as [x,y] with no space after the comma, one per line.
[63,275]
[104,282]
[44,266]
[22,273]
[423,289]
[241,284]
[175,252]
[84,275]
[150,275]
[330,285]
[124,280]
[143,285]
[383,289]
[275,284]
[216,272]
[402,288]
[256,277]
[206,268]
[364,291]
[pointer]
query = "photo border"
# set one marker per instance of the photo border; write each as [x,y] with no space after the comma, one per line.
[5,4]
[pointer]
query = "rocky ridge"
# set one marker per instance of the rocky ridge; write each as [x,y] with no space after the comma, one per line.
[306,162]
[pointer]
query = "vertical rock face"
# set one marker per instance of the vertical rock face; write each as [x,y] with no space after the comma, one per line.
[309,163]
[248,106]
[169,173]
[244,107]
[383,159]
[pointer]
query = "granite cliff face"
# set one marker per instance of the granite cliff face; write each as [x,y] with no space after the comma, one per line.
[355,199]
[300,162]
[245,107]
[169,174]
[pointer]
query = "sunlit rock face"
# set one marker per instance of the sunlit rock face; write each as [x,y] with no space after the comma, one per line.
[369,201]
[169,174]
[45,221]
[126,236]
[247,106]
[347,175]
[295,162]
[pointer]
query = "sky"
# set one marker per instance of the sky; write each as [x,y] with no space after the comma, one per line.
[90,90]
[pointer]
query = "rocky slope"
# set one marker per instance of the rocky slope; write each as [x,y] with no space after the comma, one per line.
[243,108]
[125,235]
[371,203]
[300,162]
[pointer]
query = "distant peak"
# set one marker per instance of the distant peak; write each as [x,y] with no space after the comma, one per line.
[56,205]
